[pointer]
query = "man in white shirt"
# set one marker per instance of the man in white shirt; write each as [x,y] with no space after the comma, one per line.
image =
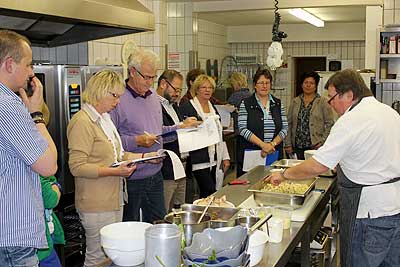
[364,145]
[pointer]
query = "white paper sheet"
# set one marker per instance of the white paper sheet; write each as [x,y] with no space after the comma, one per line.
[252,158]
[203,136]
[179,170]
[225,114]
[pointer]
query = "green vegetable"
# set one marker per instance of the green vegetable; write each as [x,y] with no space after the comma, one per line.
[213,256]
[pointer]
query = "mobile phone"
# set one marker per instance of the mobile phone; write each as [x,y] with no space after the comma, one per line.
[29,89]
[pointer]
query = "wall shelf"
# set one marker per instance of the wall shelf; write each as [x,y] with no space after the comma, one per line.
[390,55]
[389,80]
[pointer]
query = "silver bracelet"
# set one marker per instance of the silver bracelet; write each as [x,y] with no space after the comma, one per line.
[283,173]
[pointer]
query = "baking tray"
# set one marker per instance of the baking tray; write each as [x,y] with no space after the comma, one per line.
[216,213]
[288,163]
[292,201]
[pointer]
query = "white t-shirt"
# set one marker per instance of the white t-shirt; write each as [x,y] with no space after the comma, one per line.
[366,143]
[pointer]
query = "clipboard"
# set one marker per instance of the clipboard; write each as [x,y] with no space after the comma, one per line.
[137,161]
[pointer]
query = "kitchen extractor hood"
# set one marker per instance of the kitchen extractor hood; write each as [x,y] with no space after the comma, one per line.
[52,23]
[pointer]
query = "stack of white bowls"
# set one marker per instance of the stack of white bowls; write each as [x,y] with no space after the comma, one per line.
[124,242]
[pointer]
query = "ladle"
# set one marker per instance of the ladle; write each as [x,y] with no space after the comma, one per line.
[205,209]
[259,223]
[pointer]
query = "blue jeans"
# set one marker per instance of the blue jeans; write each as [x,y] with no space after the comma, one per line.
[146,194]
[51,261]
[377,242]
[18,257]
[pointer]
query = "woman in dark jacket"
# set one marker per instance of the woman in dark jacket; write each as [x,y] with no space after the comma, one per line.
[209,161]
[262,120]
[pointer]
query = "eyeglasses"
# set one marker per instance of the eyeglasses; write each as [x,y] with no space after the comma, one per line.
[146,77]
[116,96]
[330,99]
[178,90]
[206,87]
[263,83]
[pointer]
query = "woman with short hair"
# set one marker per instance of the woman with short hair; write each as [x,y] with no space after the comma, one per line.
[262,120]
[94,145]
[310,118]
[209,161]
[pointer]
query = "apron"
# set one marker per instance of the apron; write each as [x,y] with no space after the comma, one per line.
[350,193]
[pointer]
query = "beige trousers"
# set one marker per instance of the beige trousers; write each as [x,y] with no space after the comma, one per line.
[92,223]
[174,193]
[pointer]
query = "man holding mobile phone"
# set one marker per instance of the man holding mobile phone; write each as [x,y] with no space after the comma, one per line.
[27,150]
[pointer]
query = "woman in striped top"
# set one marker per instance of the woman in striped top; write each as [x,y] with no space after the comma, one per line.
[262,121]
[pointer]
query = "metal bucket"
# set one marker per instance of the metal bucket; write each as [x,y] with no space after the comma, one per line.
[189,221]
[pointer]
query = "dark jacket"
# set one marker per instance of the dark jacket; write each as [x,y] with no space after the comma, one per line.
[167,169]
[255,123]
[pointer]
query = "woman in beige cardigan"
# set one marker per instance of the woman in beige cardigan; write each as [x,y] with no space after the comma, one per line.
[94,145]
[310,118]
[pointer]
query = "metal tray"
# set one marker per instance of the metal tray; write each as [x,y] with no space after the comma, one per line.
[216,213]
[288,163]
[292,201]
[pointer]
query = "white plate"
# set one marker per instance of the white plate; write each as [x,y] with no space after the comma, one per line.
[229,204]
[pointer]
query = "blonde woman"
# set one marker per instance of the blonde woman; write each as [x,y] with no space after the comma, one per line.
[210,161]
[94,145]
[240,89]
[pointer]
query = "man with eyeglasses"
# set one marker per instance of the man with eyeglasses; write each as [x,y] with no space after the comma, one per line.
[364,147]
[169,89]
[138,119]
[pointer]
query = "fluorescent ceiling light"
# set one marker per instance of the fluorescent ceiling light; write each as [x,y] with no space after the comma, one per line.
[304,15]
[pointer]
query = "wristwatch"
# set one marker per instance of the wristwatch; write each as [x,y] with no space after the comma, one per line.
[38,117]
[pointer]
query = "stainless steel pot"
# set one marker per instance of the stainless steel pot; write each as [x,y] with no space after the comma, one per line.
[189,221]
[246,221]
[221,223]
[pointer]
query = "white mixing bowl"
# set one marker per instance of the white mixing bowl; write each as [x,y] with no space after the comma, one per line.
[124,242]
[257,246]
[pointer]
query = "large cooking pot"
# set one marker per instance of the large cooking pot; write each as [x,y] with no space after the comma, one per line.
[189,221]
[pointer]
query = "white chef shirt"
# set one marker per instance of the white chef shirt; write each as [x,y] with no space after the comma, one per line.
[366,143]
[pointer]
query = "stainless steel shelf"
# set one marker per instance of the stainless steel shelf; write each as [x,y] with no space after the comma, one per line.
[389,55]
[389,80]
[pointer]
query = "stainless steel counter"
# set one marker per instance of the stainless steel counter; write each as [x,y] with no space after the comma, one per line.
[279,254]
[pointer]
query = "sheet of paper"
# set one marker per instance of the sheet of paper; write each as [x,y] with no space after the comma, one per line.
[225,114]
[252,158]
[203,136]
[179,170]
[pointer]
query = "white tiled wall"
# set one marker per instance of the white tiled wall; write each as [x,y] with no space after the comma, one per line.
[108,51]
[212,42]
[74,54]
[351,51]
[181,33]
[186,32]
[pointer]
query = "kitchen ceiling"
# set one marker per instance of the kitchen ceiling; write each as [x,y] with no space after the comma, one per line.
[265,17]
